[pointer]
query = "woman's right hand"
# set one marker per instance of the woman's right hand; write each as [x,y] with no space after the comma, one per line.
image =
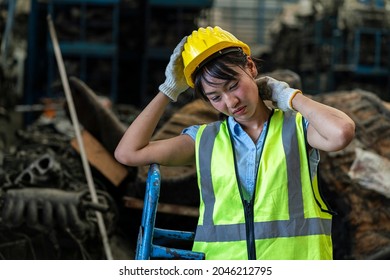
[175,82]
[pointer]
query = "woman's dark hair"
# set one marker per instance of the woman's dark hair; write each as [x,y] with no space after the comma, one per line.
[219,66]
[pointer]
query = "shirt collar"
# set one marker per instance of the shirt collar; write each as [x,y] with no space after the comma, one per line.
[236,128]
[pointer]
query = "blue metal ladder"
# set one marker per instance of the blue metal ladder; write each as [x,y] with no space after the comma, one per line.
[151,240]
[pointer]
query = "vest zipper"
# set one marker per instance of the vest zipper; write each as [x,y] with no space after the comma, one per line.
[248,205]
[250,230]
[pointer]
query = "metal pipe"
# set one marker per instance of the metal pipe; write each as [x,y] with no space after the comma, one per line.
[75,122]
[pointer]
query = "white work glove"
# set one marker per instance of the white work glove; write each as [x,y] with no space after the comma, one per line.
[175,82]
[280,93]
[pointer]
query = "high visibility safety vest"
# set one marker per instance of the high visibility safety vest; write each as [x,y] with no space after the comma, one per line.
[287,217]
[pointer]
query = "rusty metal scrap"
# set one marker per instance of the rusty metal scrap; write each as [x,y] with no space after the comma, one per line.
[354,14]
[49,207]
[43,192]
[363,225]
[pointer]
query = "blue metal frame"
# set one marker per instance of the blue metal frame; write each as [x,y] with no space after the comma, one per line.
[161,53]
[182,3]
[346,56]
[375,68]
[83,49]
[150,239]
[94,2]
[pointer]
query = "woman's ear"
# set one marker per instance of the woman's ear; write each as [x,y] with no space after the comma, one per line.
[252,67]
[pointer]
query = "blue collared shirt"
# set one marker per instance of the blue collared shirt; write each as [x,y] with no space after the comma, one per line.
[248,154]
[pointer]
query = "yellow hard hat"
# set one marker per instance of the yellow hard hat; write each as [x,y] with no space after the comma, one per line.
[203,43]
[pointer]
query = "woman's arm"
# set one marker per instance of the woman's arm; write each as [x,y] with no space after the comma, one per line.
[136,147]
[329,128]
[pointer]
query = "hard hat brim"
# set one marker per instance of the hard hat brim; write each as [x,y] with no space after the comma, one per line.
[204,56]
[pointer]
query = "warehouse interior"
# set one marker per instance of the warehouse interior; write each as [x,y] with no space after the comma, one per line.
[114,53]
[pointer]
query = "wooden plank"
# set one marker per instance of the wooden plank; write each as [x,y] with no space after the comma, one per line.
[175,209]
[101,159]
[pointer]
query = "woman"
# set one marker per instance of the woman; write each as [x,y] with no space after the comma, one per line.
[257,168]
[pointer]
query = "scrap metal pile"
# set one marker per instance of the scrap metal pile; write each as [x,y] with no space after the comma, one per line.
[333,45]
[45,205]
[357,178]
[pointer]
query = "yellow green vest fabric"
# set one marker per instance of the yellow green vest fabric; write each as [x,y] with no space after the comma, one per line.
[290,218]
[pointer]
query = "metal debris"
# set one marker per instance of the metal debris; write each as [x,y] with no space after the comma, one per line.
[43,193]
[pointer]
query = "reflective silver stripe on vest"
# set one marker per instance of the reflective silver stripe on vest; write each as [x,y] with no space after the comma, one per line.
[207,146]
[291,150]
[208,232]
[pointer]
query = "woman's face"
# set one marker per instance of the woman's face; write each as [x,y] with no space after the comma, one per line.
[239,97]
